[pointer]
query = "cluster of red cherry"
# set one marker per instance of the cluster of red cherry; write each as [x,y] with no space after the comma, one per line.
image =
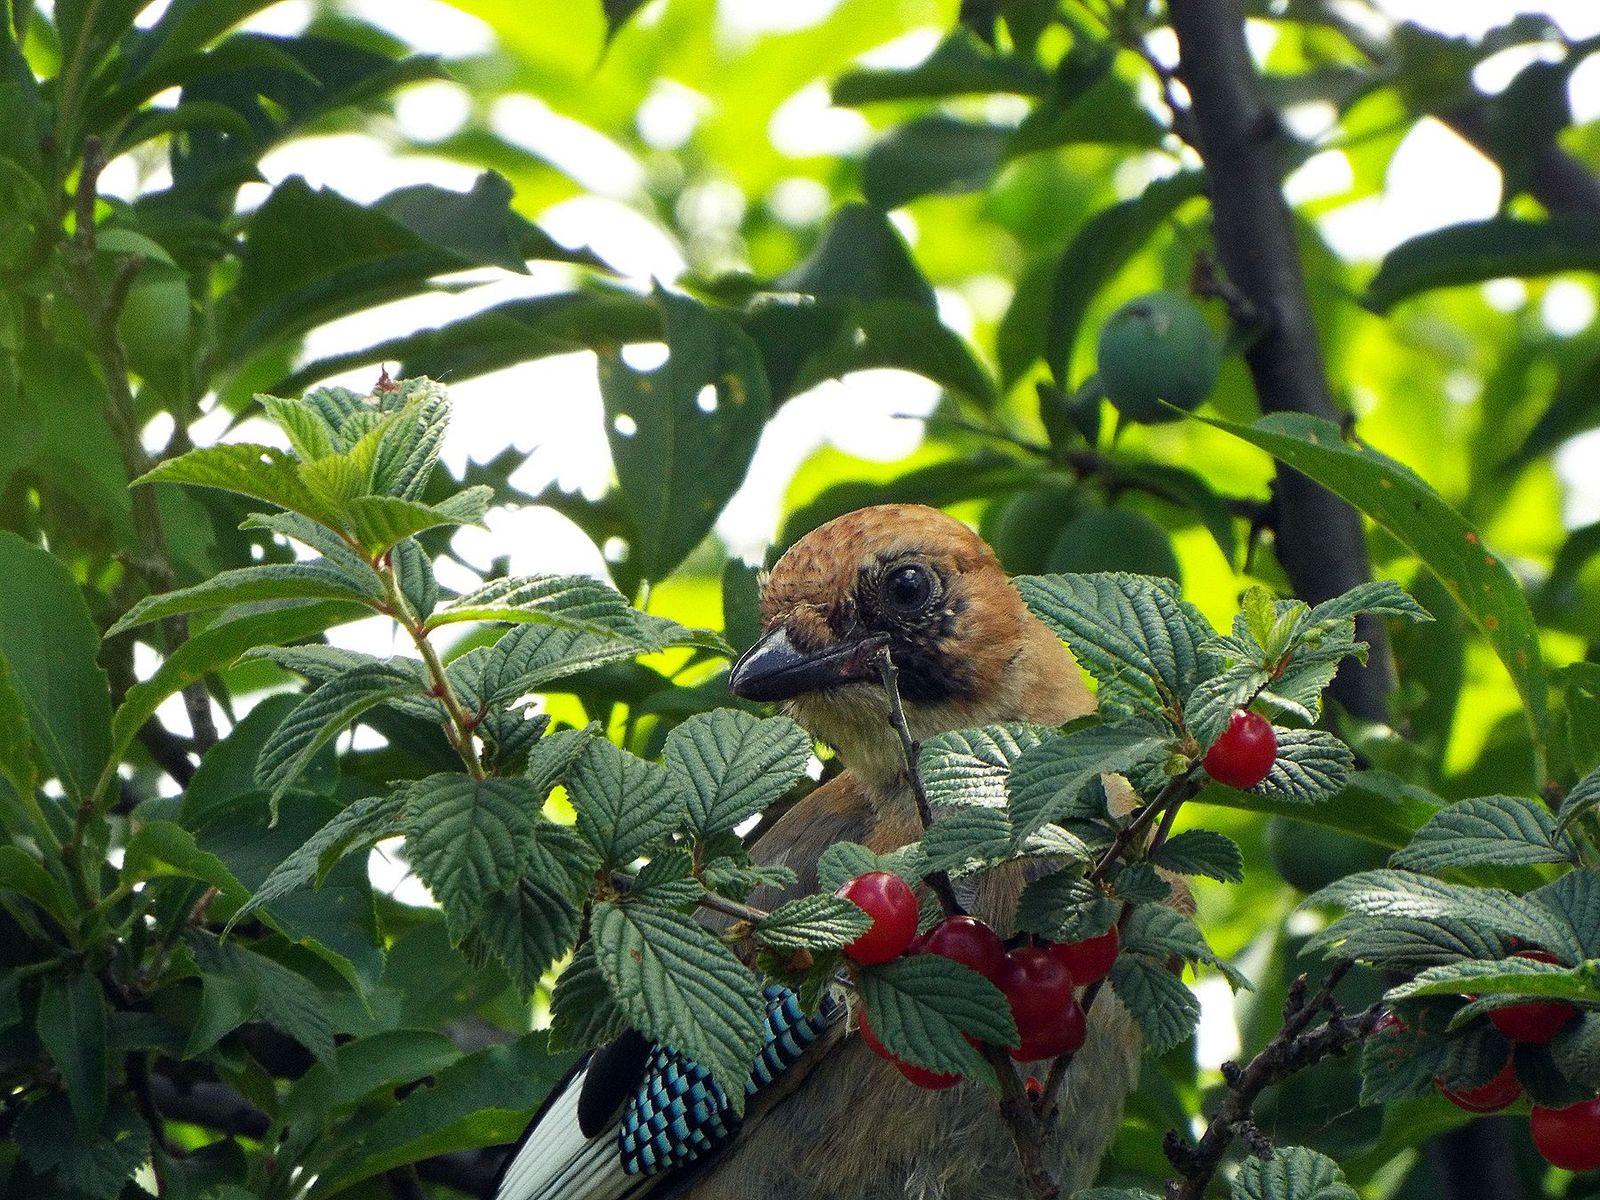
[1567,1137]
[1037,980]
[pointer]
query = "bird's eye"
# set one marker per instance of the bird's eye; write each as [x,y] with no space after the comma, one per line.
[908,588]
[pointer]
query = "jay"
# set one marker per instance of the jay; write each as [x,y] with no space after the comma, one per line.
[840,1123]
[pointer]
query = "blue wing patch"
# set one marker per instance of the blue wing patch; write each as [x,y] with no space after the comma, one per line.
[678,1113]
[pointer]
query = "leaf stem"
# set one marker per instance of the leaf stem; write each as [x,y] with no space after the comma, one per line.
[458,729]
[939,881]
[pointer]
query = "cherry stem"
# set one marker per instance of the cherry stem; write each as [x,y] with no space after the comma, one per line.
[939,881]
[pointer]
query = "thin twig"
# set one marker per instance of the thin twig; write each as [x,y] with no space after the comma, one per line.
[939,881]
[1292,1049]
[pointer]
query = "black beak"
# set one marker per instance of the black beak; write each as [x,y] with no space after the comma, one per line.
[774,669]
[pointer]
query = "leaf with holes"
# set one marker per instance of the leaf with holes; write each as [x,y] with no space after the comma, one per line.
[682,436]
[733,765]
[259,472]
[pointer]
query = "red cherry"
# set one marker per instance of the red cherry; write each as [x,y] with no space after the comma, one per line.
[1569,1137]
[889,901]
[1243,755]
[1038,988]
[924,1078]
[920,1076]
[1539,1021]
[1067,1035]
[870,1038]
[968,941]
[1487,1098]
[1089,959]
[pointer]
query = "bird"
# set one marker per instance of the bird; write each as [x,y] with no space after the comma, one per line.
[841,1123]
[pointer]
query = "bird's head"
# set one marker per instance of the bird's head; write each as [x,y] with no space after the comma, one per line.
[923,585]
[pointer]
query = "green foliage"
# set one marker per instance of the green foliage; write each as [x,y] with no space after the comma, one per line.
[548,753]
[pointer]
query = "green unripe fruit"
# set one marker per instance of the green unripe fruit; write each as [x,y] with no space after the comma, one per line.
[1027,525]
[1113,539]
[154,323]
[1157,348]
[1309,857]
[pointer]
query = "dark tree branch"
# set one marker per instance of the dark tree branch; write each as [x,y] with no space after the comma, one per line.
[1320,539]
[1295,1047]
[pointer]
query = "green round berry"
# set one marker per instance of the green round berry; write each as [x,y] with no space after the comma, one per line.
[1157,348]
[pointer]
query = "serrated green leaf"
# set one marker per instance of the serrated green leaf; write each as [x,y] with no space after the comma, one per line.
[729,877]
[410,447]
[527,929]
[1131,632]
[1487,831]
[583,1012]
[843,861]
[308,430]
[1400,501]
[365,822]
[668,879]
[624,804]
[1293,1173]
[1201,852]
[1163,1008]
[96,1166]
[315,580]
[530,656]
[682,987]
[1401,1060]
[971,766]
[1574,901]
[380,521]
[216,647]
[239,984]
[968,838]
[733,764]
[1377,597]
[322,715]
[1576,1051]
[471,838]
[335,550]
[1407,943]
[1509,977]
[1211,705]
[25,874]
[921,1007]
[72,1024]
[1583,798]
[1048,781]
[1065,907]
[1312,766]
[260,472]
[1138,883]
[415,569]
[570,601]
[813,923]
[1387,895]
[50,644]
[340,478]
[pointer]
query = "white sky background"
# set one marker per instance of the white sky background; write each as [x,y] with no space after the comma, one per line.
[551,410]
